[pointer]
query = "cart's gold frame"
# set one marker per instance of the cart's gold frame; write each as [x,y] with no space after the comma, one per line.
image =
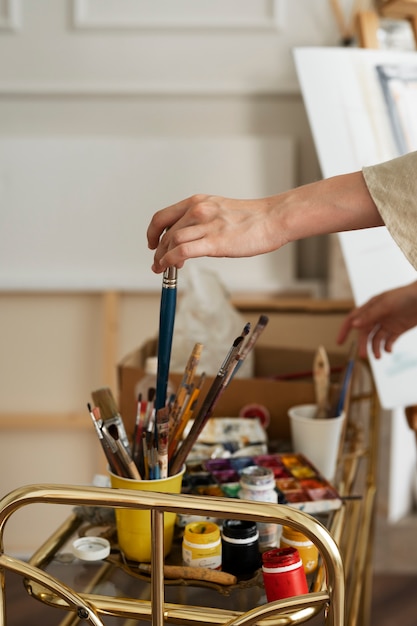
[90,607]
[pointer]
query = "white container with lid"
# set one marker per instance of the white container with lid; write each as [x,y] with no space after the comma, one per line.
[258,483]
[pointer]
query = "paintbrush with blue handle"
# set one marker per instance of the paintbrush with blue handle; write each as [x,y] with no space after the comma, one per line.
[166,330]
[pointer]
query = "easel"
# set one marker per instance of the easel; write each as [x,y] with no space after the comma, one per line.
[367,27]
[367,22]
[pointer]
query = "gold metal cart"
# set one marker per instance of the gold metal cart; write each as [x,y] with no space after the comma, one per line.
[90,607]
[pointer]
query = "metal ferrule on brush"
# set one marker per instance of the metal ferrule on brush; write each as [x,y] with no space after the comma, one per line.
[169,280]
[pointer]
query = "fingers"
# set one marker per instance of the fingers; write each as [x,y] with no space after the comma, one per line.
[369,331]
[377,342]
[345,328]
[389,342]
[382,340]
[180,232]
[179,244]
[163,220]
[363,345]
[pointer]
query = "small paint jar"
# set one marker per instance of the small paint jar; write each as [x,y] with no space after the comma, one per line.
[307,550]
[202,546]
[258,483]
[240,548]
[283,574]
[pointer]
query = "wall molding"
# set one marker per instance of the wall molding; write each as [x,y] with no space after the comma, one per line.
[10,16]
[84,16]
[286,86]
[50,422]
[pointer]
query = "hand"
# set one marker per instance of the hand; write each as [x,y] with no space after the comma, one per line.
[223,227]
[212,226]
[382,320]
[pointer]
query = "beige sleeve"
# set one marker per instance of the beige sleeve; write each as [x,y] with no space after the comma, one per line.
[393,187]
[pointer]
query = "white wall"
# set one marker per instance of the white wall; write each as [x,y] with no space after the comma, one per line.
[122,70]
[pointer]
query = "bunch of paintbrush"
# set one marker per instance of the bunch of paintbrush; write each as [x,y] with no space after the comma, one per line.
[104,399]
[157,431]
[145,420]
[185,399]
[156,448]
[117,455]
[185,414]
[149,456]
[150,444]
[233,360]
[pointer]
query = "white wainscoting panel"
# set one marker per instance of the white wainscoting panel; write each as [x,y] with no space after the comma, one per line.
[161,14]
[158,46]
[9,15]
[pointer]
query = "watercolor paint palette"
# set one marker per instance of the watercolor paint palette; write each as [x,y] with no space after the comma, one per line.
[298,482]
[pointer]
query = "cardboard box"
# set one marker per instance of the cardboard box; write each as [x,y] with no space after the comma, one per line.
[277,395]
[300,323]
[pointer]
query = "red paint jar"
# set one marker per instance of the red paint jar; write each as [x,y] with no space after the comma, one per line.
[283,574]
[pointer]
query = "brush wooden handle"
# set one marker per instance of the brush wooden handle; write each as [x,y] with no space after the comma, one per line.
[321,373]
[131,468]
[194,573]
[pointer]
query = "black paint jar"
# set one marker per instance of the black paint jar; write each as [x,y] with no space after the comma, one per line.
[240,548]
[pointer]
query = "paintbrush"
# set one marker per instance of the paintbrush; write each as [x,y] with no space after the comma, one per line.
[162,441]
[136,431]
[185,417]
[184,389]
[248,346]
[130,469]
[192,573]
[104,399]
[137,447]
[321,375]
[207,407]
[166,329]
[347,381]
[109,451]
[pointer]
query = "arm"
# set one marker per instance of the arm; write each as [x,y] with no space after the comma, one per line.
[382,319]
[222,227]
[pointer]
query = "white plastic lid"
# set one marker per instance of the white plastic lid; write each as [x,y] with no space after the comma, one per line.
[91,548]
[151,365]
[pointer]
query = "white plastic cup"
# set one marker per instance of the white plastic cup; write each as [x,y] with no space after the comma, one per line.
[317,439]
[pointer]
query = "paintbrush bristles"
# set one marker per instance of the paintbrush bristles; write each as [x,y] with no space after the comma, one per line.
[104,399]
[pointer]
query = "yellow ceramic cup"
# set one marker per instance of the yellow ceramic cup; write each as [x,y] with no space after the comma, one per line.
[134,526]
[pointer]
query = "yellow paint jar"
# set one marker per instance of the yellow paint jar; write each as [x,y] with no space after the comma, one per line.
[201,546]
[308,552]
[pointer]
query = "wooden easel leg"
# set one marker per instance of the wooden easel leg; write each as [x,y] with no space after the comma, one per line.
[413,22]
[411,415]
[367,23]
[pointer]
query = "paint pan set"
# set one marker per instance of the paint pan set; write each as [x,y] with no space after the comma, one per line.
[297,482]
